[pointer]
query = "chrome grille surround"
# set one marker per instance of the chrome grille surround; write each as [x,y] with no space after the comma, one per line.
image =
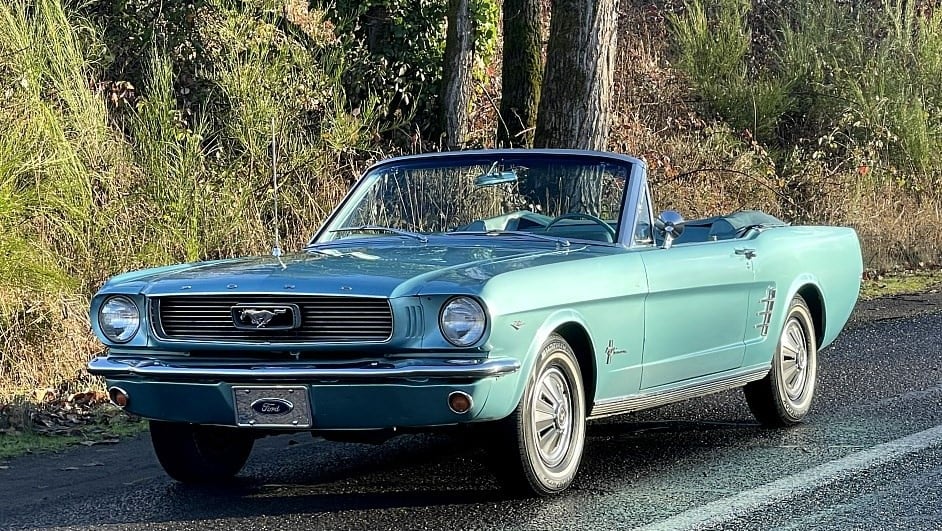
[324,319]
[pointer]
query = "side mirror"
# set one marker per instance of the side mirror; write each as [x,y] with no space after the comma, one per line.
[670,225]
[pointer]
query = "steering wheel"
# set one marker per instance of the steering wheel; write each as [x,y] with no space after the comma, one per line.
[578,215]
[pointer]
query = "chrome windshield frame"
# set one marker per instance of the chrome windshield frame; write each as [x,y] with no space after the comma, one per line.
[634,174]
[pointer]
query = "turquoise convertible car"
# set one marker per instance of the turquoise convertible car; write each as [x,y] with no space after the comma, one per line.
[519,292]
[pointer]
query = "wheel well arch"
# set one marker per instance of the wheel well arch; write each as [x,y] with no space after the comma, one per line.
[812,296]
[578,338]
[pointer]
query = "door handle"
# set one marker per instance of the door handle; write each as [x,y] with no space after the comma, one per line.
[748,253]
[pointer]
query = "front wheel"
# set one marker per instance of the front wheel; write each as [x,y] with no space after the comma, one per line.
[543,439]
[191,453]
[783,397]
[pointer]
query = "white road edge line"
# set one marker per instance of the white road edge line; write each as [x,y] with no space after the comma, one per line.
[725,509]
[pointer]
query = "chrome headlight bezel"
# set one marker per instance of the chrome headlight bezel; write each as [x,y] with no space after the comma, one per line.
[450,322]
[109,316]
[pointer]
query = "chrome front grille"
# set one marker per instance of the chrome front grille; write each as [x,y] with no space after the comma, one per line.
[324,319]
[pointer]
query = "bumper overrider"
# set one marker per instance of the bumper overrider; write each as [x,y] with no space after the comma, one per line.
[361,395]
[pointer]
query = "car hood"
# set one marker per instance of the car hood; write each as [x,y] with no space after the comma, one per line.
[357,269]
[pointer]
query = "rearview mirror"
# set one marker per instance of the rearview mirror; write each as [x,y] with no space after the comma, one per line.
[495,177]
[670,225]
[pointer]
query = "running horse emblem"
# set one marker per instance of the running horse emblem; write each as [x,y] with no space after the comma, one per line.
[260,318]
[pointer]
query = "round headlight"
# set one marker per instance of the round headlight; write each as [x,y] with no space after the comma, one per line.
[119,319]
[462,321]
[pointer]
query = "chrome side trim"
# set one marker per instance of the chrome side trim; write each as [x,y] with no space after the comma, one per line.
[260,372]
[768,303]
[701,387]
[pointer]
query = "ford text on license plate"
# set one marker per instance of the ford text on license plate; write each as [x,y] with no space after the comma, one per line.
[276,406]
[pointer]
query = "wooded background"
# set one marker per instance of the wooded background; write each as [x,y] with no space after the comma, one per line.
[138,132]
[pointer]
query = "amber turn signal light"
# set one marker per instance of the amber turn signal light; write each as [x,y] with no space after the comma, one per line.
[119,397]
[460,402]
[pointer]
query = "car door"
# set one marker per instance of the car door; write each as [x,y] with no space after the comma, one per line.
[696,310]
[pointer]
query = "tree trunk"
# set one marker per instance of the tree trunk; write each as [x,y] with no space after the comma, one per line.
[456,78]
[522,72]
[575,106]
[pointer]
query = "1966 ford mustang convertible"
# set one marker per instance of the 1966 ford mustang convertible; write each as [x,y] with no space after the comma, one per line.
[520,292]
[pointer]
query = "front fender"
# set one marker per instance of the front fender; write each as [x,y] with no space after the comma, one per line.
[508,391]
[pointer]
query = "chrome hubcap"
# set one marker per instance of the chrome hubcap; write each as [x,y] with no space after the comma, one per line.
[552,417]
[794,359]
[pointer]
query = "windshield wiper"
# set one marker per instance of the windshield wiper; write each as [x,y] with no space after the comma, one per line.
[378,228]
[497,232]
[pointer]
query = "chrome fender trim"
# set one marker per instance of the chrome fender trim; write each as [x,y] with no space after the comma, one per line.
[456,369]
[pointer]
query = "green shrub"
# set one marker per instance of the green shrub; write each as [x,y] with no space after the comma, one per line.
[173,170]
[713,47]
[850,85]
[393,51]
[713,41]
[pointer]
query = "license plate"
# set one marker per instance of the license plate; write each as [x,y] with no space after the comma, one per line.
[278,406]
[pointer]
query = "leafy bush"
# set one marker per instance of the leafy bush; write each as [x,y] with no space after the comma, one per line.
[93,182]
[855,85]
[713,44]
[393,52]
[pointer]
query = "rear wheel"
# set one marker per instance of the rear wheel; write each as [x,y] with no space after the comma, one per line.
[543,439]
[191,453]
[783,397]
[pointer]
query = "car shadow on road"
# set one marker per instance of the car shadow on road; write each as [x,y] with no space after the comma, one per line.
[433,474]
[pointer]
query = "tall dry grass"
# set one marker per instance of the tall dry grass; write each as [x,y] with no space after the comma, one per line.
[88,190]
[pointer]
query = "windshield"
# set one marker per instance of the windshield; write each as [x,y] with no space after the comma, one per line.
[568,197]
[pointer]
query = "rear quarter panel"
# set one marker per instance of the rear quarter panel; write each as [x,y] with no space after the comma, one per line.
[792,259]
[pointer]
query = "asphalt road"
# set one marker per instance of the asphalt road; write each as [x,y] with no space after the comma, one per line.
[868,457]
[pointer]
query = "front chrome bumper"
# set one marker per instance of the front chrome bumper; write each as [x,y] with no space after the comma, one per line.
[411,369]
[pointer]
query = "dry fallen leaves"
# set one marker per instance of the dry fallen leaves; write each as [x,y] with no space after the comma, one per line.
[48,412]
